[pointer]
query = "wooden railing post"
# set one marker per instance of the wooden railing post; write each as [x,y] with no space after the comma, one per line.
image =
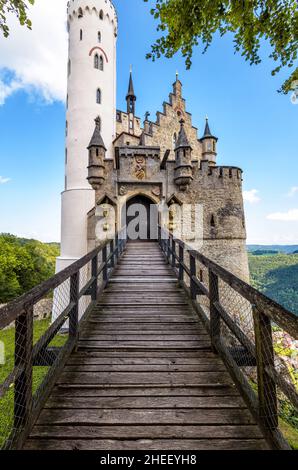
[74,297]
[181,261]
[267,394]
[173,253]
[116,248]
[214,314]
[105,267]
[94,268]
[193,269]
[112,253]
[23,359]
[169,248]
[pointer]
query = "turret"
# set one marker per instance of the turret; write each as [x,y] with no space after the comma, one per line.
[97,152]
[209,142]
[183,167]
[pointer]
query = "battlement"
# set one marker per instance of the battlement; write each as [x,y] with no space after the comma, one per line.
[220,172]
[104,9]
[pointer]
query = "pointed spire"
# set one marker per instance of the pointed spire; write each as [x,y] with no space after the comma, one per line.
[131,92]
[131,97]
[97,140]
[182,140]
[207,132]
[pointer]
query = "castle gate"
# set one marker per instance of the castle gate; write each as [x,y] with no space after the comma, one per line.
[140,215]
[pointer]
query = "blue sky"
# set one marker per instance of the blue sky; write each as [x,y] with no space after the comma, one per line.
[256,126]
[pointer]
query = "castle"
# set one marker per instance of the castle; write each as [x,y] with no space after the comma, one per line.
[122,160]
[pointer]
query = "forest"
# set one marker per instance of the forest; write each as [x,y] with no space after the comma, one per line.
[276,275]
[24,264]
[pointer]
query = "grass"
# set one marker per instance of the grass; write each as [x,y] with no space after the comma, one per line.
[290,433]
[6,403]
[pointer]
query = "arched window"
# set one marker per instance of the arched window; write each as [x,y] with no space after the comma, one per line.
[98,122]
[101,63]
[212,221]
[81,34]
[174,140]
[98,96]
[99,37]
[96,61]
[101,14]
[80,13]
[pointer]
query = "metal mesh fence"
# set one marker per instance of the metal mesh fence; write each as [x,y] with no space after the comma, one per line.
[265,354]
[34,347]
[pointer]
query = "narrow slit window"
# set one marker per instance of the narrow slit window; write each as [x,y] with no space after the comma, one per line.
[80,13]
[212,222]
[98,96]
[99,37]
[81,34]
[96,61]
[101,63]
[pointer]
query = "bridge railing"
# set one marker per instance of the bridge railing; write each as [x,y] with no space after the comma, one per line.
[255,336]
[34,352]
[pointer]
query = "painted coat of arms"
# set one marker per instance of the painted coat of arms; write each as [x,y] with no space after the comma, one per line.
[139,168]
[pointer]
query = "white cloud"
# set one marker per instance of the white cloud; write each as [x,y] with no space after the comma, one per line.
[293,191]
[4,180]
[251,196]
[289,216]
[35,61]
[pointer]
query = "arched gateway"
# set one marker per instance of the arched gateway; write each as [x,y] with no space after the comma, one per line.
[140,215]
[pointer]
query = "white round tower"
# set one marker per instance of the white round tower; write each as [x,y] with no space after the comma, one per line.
[92,26]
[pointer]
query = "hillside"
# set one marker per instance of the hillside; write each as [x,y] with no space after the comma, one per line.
[288,249]
[24,264]
[276,276]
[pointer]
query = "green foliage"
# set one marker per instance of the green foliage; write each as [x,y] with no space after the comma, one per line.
[277,277]
[23,265]
[15,7]
[186,24]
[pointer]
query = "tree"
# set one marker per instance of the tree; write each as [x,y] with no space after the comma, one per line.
[188,23]
[16,7]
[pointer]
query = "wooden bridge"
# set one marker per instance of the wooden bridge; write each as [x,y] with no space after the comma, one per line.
[156,362]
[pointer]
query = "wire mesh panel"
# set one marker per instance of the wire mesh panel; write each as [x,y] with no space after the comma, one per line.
[257,338]
[41,334]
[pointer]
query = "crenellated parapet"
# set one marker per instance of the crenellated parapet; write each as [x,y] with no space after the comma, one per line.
[220,173]
[103,9]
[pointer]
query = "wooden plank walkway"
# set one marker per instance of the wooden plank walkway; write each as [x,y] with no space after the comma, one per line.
[144,375]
